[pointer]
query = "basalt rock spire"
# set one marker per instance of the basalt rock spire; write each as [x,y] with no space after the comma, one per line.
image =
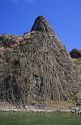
[35,67]
[41,24]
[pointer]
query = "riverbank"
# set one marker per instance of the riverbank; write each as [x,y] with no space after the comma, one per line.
[40,109]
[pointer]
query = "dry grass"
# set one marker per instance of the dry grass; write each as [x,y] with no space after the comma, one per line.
[78,65]
[60,104]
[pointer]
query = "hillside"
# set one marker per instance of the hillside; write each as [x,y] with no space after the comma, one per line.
[78,65]
[36,68]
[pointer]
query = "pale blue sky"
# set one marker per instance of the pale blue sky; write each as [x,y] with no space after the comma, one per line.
[17,17]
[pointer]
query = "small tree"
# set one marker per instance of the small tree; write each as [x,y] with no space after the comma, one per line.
[74,53]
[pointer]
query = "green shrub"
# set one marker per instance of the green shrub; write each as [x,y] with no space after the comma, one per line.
[74,53]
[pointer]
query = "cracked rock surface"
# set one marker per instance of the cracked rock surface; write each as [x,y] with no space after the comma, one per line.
[36,67]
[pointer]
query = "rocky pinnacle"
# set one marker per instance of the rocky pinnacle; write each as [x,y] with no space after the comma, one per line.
[41,24]
[36,67]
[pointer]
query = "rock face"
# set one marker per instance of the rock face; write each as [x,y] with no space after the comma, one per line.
[35,67]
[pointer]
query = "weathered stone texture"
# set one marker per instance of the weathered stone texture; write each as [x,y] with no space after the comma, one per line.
[36,67]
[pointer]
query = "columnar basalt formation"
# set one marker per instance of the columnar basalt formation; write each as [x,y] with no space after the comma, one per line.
[36,67]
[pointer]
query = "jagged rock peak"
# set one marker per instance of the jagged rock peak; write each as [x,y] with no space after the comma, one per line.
[41,24]
[36,69]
